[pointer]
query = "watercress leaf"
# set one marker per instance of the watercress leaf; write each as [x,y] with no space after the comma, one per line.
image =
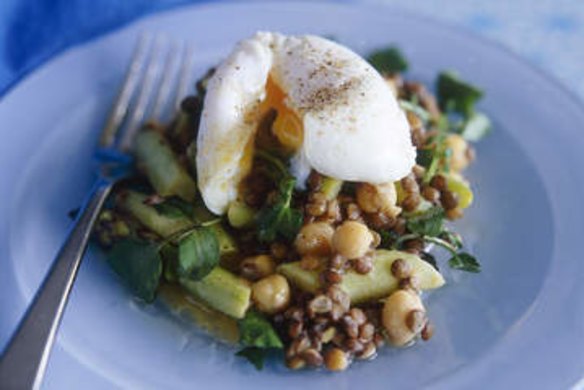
[279,217]
[388,238]
[424,157]
[256,331]
[389,60]
[476,127]
[429,223]
[254,355]
[138,263]
[198,253]
[464,262]
[456,95]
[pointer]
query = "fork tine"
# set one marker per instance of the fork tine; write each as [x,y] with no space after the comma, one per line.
[166,84]
[151,74]
[120,107]
[185,75]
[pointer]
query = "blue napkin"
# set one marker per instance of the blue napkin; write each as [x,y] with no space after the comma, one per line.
[31,31]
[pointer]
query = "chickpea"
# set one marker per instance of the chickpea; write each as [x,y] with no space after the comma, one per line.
[271,294]
[315,239]
[459,158]
[257,267]
[378,198]
[352,240]
[403,317]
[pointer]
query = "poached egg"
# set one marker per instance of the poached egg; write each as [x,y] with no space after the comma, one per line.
[335,114]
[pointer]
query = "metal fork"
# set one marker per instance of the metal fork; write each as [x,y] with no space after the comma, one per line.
[151,75]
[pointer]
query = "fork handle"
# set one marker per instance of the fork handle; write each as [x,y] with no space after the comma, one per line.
[24,361]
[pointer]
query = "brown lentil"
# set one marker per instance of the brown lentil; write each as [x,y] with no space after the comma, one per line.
[416,320]
[416,244]
[368,352]
[410,185]
[339,296]
[312,357]
[380,221]
[448,199]
[320,304]
[353,345]
[439,182]
[431,194]
[454,214]
[278,250]
[299,345]
[310,262]
[363,265]
[316,209]
[418,171]
[332,276]
[400,226]
[353,212]
[401,269]
[351,327]
[295,314]
[295,363]
[410,283]
[428,331]
[339,339]
[411,202]
[337,262]
[358,316]
[314,181]
[295,329]
[333,212]
[336,359]
[366,332]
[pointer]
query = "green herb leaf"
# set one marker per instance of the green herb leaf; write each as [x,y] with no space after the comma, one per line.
[138,263]
[464,262]
[457,95]
[256,331]
[389,60]
[476,127]
[280,218]
[429,223]
[256,356]
[198,253]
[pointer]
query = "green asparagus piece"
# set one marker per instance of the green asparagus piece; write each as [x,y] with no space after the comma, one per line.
[155,156]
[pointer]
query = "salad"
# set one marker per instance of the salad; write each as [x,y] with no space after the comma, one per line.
[296,199]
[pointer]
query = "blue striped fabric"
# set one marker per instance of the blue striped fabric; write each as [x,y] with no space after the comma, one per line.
[548,33]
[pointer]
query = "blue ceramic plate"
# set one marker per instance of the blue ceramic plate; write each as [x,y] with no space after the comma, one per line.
[518,324]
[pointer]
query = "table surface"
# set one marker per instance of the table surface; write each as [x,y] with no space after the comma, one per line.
[547,33]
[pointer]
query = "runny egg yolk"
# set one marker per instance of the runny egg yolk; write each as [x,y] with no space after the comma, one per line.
[287,127]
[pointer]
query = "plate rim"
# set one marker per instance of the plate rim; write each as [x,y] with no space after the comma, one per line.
[456,29]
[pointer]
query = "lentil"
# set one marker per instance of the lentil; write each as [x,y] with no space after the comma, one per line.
[295,363]
[431,194]
[411,202]
[320,304]
[448,199]
[353,345]
[310,262]
[369,351]
[312,357]
[401,269]
[358,316]
[454,214]
[363,265]
[439,182]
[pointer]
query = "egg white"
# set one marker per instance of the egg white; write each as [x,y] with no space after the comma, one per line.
[353,127]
